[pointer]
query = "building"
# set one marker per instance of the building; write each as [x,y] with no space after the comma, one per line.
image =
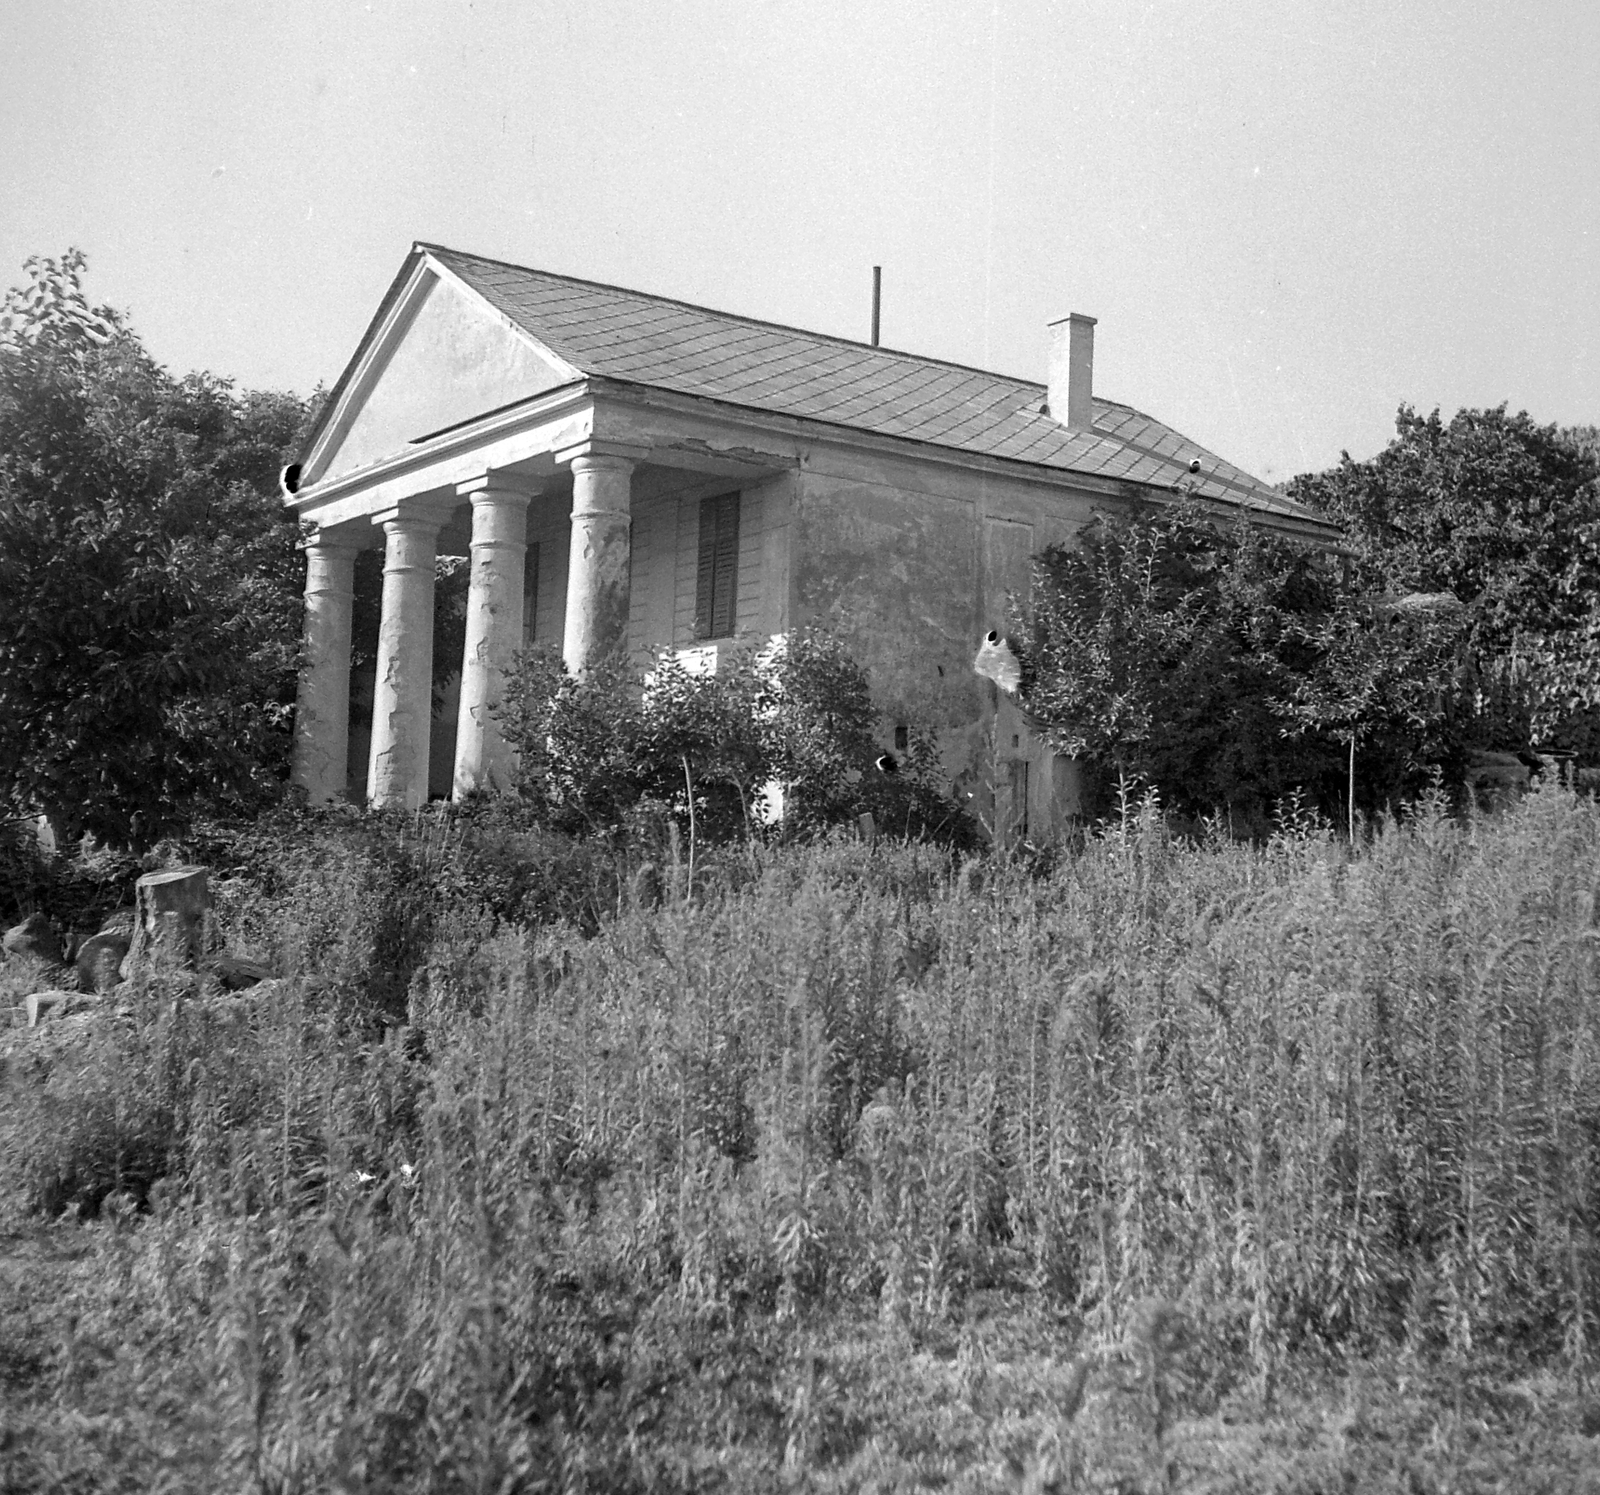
[631,472]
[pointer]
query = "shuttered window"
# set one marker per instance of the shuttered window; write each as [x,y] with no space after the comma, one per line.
[716,586]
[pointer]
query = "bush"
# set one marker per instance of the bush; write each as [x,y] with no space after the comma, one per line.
[797,714]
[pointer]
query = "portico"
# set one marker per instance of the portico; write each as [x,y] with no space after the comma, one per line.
[593,483]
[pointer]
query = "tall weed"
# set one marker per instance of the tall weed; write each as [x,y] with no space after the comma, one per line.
[568,1216]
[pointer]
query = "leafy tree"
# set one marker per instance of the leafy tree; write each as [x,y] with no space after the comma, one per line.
[1159,645]
[1385,676]
[1504,514]
[1228,667]
[149,585]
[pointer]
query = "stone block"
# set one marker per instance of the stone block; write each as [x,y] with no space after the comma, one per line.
[235,972]
[50,1004]
[35,936]
[100,958]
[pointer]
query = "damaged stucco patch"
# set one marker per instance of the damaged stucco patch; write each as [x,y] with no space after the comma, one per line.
[894,573]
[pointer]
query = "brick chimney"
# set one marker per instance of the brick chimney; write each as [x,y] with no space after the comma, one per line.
[1071,376]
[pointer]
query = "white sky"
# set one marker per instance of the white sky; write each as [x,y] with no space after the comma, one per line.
[1287,217]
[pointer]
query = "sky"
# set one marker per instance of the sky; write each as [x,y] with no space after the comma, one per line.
[1288,218]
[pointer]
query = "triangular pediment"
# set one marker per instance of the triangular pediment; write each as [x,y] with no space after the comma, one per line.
[442,356]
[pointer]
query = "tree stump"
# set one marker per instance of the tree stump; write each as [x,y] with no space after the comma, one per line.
[170,916]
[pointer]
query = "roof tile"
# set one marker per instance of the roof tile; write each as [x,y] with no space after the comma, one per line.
[637,338]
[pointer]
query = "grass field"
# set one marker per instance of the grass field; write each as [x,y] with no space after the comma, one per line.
[1163,1167]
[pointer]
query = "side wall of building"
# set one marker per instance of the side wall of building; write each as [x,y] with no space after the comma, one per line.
[913,562]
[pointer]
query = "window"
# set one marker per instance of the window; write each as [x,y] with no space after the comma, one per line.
[716,584]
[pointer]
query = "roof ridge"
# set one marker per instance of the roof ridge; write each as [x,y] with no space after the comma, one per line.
[749,321]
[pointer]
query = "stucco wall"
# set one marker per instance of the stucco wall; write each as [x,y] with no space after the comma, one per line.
[549,541]
[913,562]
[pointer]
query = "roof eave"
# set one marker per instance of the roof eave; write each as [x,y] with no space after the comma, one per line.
[600,384]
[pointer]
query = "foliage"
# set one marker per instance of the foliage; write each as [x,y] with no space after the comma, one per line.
[75,888]
[1389,682]
[1179,1167]
[1224,666]
[703,745]
[149,586]
[1505,514]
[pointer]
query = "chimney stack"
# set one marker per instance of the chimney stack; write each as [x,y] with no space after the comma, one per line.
[1071,376]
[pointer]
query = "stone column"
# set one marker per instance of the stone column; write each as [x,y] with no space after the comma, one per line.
[402,702]
[597,569]
[494,632]
[322,710]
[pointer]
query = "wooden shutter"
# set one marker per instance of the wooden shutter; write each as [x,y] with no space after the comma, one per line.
[716,587]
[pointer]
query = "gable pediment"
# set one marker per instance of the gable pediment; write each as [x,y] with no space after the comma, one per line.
[444,356]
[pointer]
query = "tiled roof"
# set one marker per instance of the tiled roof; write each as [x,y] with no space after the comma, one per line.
[629,336]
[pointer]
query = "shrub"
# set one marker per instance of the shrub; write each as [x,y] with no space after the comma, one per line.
[703,745]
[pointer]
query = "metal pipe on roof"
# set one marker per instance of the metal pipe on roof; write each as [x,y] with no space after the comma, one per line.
[877,300]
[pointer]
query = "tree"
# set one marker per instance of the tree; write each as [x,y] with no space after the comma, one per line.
[1385,675]
[1504,514]
[1158,646]
[149,584]
[1226,666]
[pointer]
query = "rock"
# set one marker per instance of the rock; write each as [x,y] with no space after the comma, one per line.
[100,958]
[52,1004]
[170,915]
[244,1006]
[235,972]
[35,936]
[119,918]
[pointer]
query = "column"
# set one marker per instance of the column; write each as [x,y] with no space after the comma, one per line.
[597,570]
[402,703]
[484,761]
[322,707]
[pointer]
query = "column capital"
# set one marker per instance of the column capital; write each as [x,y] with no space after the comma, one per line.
[347,536]
[429,511]
[505,487]
[616,456]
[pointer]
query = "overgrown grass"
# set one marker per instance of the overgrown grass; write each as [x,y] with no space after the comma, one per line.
[1107,1161]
